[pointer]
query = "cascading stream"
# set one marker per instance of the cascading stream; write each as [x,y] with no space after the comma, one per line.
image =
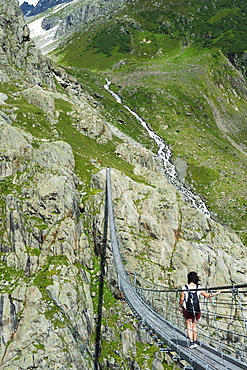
[164,153]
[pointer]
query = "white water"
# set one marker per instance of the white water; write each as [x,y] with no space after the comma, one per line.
[164,153]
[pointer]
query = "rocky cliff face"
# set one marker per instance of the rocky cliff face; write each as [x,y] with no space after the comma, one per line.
[43,289]
[162,238]
[26,8]
[52,222]
[47,310]
[79,15]
[41,6]
[70,17]
[17,49]
[169,234]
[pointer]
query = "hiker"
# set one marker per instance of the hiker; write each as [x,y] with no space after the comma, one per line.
[189,305]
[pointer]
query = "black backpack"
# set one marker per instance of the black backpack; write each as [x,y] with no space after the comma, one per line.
[192,303]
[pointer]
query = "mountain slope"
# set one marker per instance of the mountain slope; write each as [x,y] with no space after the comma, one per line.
[219,24]
[26,8]
[170,72]
[42,5]
[64,19]
[59,129]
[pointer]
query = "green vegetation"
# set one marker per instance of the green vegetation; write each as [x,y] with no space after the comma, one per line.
[170,95]
[143,353]
[35,252]
[89,153]
[58,260]
[107,40]
[39,345]
[29,117]
[216,25]
[43,279]
[168,65]
[10,277]
[224,13]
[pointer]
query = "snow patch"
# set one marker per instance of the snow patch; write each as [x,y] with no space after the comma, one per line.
[36,29]
[45,40]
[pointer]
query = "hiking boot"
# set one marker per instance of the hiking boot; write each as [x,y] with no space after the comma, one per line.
[193,345]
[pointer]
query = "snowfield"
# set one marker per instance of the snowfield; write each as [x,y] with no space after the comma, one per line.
[45,40]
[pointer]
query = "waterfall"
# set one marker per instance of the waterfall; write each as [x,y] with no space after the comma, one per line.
[164,153]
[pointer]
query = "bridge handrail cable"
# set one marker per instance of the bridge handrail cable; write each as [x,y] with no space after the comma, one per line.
[165,324]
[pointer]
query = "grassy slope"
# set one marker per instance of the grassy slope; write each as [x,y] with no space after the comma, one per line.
[168,88]
[89,154]
[178,89]
[183,86]
[179,112]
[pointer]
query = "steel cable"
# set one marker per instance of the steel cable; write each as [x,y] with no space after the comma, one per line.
[144,297]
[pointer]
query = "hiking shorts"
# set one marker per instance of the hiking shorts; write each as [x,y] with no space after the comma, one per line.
[191,315]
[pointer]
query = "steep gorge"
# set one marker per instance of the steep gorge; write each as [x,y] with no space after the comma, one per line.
[54,142]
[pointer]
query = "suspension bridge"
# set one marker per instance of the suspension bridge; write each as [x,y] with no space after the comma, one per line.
[222,328]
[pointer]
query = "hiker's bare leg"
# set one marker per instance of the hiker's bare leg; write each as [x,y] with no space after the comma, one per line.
[194,331]
[189,330]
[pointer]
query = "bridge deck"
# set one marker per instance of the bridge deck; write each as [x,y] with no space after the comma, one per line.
[202,358]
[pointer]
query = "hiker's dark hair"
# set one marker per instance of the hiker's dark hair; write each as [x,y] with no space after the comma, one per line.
[193,278]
